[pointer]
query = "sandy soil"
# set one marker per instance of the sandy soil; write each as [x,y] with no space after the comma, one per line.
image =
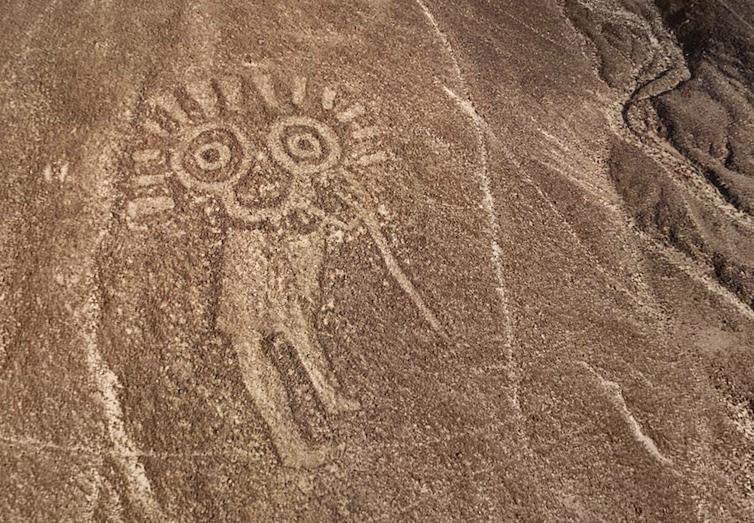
[377,260]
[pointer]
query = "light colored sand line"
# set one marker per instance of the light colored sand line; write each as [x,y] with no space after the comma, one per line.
[735,13]
[372,159]
[90,483]
[488,205]
[393,267]
[98,173]
[699,274]
[351,113]
[673,256]
[202,92]
[149,180]
[397,273]
[299,91]
[34,446]
[328,98]
[540,34]
[231,90]
[446,43]
[265,88]
[597,194]
[147,156]
[155,128]
[466,106]
[170,105]
[643,299]
[107,385]
[616,398]
[147,206]
[111,502]
[364,133]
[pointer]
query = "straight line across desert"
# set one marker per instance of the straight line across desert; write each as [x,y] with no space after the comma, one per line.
[376,260]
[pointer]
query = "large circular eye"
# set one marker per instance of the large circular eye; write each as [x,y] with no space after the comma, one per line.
[303,145]
[212,156]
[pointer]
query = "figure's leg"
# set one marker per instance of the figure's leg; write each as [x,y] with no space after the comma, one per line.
[305,255]
[263,382]
[315,362]
[242,318]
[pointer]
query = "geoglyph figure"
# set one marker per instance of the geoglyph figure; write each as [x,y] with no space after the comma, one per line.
[285,171]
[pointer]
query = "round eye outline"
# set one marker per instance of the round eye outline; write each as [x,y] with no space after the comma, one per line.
[294,144]
[220,188]
[275,140]
[223,156]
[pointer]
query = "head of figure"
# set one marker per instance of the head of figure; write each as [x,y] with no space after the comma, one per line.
[220,160]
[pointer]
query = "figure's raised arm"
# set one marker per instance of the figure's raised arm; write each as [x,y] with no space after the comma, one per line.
[362,202]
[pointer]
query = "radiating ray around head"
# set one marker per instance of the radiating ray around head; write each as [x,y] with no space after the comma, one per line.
[328,98]
[265,88]
[147,156]
[351,113]
[299,91]
[371,159]
[231,90]
[144,207]
[204,94]
[149,180]
[360,149]
[153,127]
[364,133]
[169,104]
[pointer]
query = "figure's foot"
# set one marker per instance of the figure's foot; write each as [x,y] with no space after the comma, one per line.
[305,457]
[335,403]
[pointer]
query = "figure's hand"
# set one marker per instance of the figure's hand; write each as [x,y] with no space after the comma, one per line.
[352,192]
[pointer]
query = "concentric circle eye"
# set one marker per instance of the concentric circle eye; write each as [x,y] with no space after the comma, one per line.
[303,145]
[212,156]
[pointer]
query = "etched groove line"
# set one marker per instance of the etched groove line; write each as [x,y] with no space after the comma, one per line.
[446,43]
[100,166]
[299,91]
[672,161]
[488,205]
[205,95]
[735,14]
[697,272]
[35,445]
[351,113]
[265,88]
[328,98]
[392,264]
[107,383]
[616,398]
[641,300]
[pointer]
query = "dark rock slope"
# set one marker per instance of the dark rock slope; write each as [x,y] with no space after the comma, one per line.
[687,70]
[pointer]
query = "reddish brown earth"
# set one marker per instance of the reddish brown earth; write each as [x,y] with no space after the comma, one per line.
[377,260]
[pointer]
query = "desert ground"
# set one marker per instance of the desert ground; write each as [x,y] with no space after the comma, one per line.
[377,260]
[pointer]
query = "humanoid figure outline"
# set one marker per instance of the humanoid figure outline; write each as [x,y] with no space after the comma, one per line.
[273,254]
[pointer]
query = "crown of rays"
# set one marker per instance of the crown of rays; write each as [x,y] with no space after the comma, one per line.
[195,104]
